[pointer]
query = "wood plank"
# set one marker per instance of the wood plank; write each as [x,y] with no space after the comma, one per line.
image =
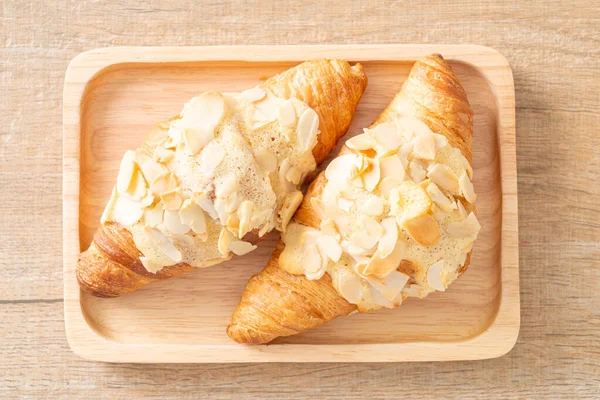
[553,49]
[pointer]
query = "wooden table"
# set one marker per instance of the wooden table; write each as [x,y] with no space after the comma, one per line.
[554,50]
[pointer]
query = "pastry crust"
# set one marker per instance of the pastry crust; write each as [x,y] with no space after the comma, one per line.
[277,303]
[111,266]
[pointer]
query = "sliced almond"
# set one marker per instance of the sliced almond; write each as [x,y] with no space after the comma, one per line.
[392,167]
[410,126]
[233,223]
[327,227]
[434,276]
[164,182]
[391,286]
[440,140]
[294,175]
[465,229]
[206,204]
[461,209]
[244,212]
[163,155]
[254,94]
[381,267]
[444,177]
[284,167]
[340,168]
[191,214]
[268,106]
[137,188]
[330,247]
[175,135]
[387,185]
[307,129]
[345,204]
[466,189]
[389,238]
[350,288]
[164,244]
[126,211]
[225,239]
[228,187]
[439,197]
[151,265]
[126,171]
[387,136]
[369,234]
[239,247]
[195,139]
[206,110]
[423,229]
[171,200]
[315,263]
[361,142]
[356,251]
[317,205]
[417,172]
[150,168]
[373,206]
[286,113]
[290,204]
[154,215]
[212,155]
[108,209]
[173,223]
[266,160]
[371,175]
[424,147]
[413,290]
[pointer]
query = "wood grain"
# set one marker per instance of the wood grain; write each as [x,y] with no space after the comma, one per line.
[553,49]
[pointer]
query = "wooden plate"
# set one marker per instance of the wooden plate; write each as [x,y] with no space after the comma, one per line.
[113,96]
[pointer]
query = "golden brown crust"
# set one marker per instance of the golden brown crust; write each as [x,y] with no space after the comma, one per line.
[275,302]
[111,266]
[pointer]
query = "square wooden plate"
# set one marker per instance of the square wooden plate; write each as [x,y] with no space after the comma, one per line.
[113,96]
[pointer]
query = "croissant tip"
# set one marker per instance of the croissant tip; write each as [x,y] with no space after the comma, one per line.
[244,335]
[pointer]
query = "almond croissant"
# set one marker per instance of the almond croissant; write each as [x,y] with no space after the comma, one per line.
[213,180]
[391,217]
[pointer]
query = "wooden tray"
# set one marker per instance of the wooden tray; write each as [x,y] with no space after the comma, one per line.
[113,96]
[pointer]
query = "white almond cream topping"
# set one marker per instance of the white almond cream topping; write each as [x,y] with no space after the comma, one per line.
[231,164]
[393,217]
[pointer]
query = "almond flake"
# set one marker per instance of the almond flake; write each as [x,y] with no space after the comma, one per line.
[283,170]
[171,200]
[147,200]
[371,175]
[392,167]
[423,229]
[239,247]
[290,204]
[154,215]
[345,204]
[388,184]
[137,188]
[356,251]
[225,239]
[361,142]
[150,168]
[327,227]
[108,209]
[191,214]
[461,209]
[381,267]
[173,223]
[465,229]
[392,285]
[195,139]
[165,182]
[127,211]
[315,263]
[386,135]
[369,234]
[373,206]
[308,129]
[254,94]
[212,155]
[294,175]
[207,205]
[319,207]
[164,244]
[410,126]
[150,265]
[417,171]
[444,177]
[328,246]
[163,155]
[286,113]
[440,198]
[244,212]
[409,200]
[350,288]
[440,140]
[206,110]
[424,147]
[340,168]
[126,171]
[390,237]
[268,106]
[266,160]
[466,189]
[434,276]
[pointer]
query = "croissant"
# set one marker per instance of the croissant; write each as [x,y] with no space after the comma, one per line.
[213,180]
[391,217]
